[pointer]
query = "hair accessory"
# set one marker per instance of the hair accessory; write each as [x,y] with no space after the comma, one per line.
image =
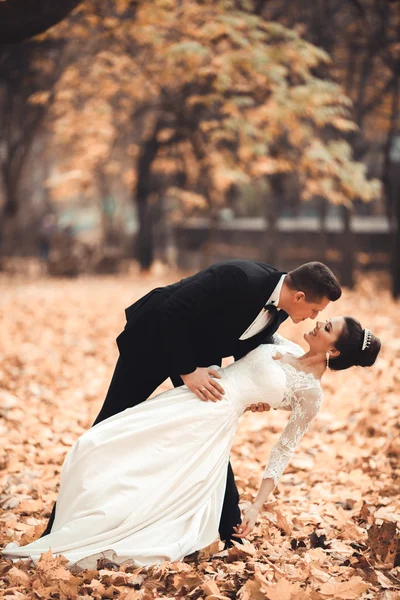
[367,339]
[327,360]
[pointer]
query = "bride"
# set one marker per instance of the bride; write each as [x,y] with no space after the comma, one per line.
[147,485]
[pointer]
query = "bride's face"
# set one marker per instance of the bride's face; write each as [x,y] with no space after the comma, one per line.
[324,335]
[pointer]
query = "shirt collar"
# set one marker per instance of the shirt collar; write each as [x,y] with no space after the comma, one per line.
[275,296]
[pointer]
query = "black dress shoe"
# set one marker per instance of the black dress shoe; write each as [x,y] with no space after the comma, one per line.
[229,543]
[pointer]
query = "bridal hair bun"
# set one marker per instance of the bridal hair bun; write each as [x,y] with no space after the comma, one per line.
[357,346]
[369,350]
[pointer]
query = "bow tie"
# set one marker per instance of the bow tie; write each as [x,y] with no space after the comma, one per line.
[271,308]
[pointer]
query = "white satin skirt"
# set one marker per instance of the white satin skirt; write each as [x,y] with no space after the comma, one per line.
[144,486]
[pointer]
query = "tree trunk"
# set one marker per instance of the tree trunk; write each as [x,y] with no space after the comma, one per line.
[209,247]
[8,213]
[387,161]
[144,240]
[10,207]
[392,197]
[348,250]
[205,178]
[104,192]
[396,252]
[269,241]
[323,234]
[21,123]
[271,207]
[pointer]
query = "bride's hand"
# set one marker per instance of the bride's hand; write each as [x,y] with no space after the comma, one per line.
[250,517]
[260,407]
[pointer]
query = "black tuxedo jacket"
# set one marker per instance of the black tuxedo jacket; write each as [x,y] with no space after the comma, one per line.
[199,320]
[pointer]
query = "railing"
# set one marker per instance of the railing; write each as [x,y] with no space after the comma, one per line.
[299,239]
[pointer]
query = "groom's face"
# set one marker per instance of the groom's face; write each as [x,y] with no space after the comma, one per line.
[301,309]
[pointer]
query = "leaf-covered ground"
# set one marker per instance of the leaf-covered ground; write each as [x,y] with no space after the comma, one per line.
[330,530]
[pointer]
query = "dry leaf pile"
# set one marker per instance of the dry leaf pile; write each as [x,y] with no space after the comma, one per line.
[331,530]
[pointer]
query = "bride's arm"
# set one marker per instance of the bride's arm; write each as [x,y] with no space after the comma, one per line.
[305,406]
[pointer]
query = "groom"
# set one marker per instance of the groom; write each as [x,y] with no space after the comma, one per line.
[179,330]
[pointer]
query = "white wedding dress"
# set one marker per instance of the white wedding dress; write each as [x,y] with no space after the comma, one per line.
[147,484]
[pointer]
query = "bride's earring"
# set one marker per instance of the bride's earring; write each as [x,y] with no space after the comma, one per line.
[327,360]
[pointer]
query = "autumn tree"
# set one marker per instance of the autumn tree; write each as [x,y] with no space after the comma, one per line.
[250,107]
[363,38]
[225,95]
[28,74]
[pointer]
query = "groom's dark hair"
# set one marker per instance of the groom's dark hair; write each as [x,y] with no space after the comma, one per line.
[316,280]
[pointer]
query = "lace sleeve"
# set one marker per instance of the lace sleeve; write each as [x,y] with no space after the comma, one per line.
[305,406]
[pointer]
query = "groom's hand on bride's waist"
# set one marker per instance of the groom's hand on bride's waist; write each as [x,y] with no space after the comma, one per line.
[202,382]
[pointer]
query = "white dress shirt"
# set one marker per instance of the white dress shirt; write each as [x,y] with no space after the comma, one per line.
[263,319]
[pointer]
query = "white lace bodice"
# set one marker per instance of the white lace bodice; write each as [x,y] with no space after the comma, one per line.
[258,377]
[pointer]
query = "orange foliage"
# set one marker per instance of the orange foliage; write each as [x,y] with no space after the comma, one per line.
[331,530]
[235,89]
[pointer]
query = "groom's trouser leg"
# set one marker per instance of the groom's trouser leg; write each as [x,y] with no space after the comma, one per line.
[230,516]
[130,385]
